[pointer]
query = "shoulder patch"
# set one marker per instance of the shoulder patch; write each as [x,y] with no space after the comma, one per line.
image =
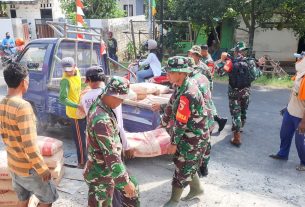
[183,112]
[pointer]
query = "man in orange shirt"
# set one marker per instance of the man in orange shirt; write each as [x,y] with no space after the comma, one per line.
[30,175]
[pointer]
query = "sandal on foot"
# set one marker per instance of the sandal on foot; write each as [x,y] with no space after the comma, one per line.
[300,168]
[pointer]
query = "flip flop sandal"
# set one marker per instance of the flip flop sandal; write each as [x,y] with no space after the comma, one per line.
[300,168]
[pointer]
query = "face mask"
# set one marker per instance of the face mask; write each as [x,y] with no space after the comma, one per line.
[300,66]
[7,37]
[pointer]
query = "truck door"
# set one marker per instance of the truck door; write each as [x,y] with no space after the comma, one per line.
[36,58]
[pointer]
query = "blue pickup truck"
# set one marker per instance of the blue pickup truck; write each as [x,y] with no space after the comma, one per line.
[42,58]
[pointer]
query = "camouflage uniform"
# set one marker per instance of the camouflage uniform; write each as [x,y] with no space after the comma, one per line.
[204,87]
[238,102]
[207,72]
[105,169]
[189,133]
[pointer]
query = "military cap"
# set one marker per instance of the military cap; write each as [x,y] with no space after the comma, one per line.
[178,64]
[240,46]
[196,49]
[119,87]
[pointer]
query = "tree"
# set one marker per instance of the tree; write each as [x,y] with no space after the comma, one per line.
[254,13]
[292,15]
[94,9]
[202,12]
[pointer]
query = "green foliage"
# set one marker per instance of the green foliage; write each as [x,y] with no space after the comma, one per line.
[129,52]
[93,9]
[3,8]
[292,14]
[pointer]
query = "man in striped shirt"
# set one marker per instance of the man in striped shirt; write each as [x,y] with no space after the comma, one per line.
[30,175]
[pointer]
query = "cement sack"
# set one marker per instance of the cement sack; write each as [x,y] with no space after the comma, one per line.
[55,160]
[57,171]
[6,185]
[60,176]
[151,88]
[149,144]
[49,146]
[8,198]
[4,171]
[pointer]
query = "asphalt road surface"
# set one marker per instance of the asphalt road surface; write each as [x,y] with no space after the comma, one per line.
[239,177]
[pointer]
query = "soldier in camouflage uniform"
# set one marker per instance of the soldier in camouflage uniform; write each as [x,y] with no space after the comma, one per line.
[238,69]
[204,87]
[195,53]
[105,169]
[189,135]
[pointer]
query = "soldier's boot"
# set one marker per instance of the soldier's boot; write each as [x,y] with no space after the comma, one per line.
[243,122]
[175,197]
[236,140]
[221,122]
[195,189]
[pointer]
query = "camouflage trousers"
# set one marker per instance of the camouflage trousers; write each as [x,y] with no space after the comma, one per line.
[238,102]
[187,163]
[206,155]
[101,188]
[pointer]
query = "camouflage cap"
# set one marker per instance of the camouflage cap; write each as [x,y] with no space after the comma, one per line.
[119,87]
[178,64]
[196,49]
[240,46]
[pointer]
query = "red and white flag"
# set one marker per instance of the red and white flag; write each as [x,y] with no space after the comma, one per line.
[79,16]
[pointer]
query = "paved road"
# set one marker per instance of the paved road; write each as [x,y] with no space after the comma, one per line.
[243,176]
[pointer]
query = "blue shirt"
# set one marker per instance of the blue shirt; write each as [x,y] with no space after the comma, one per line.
[9,41]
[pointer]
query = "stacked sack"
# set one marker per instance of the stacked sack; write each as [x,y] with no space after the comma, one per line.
[52,151]
[53,155]
[150,143]
[7,195]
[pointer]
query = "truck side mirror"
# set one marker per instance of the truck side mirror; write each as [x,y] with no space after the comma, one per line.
[32,65]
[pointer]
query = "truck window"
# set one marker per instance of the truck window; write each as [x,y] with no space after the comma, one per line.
[33,57]
[67,49]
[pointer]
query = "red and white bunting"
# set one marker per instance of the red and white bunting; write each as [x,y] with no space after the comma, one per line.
[79,16]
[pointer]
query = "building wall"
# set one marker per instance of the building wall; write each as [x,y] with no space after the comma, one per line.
[137,6]
[118,26]
[30,12]
[6,26]
[279,45]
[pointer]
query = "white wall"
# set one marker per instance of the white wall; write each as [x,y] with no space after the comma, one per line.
[280,45]
[57,11]
[121,4]
[6,26]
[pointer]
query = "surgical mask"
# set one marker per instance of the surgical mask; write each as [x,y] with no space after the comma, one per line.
[300,66]
[7,37]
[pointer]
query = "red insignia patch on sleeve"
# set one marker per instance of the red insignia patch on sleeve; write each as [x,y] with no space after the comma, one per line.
[183,112]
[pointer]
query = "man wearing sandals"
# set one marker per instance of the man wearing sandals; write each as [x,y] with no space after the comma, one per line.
[294,117]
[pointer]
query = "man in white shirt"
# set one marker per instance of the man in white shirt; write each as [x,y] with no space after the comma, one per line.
[95,80]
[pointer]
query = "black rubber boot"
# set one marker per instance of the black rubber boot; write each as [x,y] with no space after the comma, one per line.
[221,122]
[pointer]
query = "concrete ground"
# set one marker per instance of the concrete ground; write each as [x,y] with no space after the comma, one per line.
[238,177]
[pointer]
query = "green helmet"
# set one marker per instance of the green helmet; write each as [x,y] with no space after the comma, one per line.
[119,87]
[240,46]
[179,64]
